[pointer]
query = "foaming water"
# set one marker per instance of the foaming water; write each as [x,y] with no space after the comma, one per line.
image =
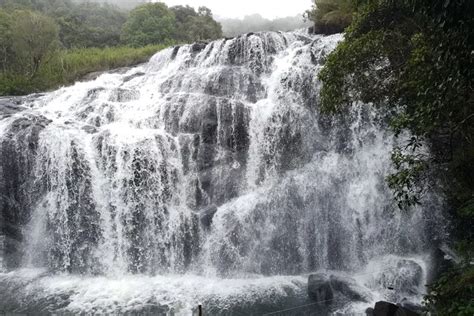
[205,175]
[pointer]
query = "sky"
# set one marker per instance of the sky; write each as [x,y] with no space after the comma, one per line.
[239,8]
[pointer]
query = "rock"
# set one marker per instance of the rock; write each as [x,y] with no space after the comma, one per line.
[89,129]
[403,276]
[319,288]
[199,46]
[347,288]
[407,304]
[17,160]
[206,216]
[323,287]
[175,52]
[369,311]
[9,107]
[388,309]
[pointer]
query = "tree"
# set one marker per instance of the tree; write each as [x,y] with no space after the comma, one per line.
[194,26]
[205,27]
[5,40]
[82,24]
[34,39]
[331,16]
[90,25]
[183,15]
[151,23]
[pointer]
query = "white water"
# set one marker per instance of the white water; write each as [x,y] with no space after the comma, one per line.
[130,162]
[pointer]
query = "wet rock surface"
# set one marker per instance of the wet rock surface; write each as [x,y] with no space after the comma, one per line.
[388,309]
[329,289]
[18,150]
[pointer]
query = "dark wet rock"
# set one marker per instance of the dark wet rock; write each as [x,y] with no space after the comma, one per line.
[369,311]
[319,288]
[327,289]
[21,191]
[347,288]
[9,107]
[388,309]
[407,304]
[175,52]
[206,216]
[231,81]
[197,47]
[404,277]
[89,129]
[18,150]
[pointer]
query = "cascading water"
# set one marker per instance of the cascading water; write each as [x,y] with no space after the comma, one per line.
[206,175]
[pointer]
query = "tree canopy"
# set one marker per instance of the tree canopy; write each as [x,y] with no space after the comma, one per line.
[28,39]
[156,23]
[150,23]
[331,16]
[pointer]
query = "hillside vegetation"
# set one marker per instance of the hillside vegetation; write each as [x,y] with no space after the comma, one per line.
[48,43]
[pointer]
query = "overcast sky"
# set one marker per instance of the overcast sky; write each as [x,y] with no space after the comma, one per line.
[240,8]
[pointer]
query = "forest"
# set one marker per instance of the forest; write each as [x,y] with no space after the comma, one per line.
[414,58]
[45,44]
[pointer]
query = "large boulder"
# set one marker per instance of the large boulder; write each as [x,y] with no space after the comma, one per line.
[348,288]
[319,288]
[403,276]
[328,288]
[388,309]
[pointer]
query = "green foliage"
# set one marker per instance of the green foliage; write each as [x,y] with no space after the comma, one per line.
[47,43]
[34,40]
[453,293]
[417,63]
[84,24]
[69,66]
[90,25]
[407,182]
[6,33]
[27,41]
[151,23]
[331,16]
[413,59]
[194,26]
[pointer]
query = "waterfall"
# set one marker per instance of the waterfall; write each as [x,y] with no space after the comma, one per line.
[210,162]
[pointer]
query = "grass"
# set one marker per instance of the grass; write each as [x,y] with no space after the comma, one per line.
[68,66]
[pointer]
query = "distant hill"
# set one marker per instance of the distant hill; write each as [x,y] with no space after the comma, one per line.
[256,23]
